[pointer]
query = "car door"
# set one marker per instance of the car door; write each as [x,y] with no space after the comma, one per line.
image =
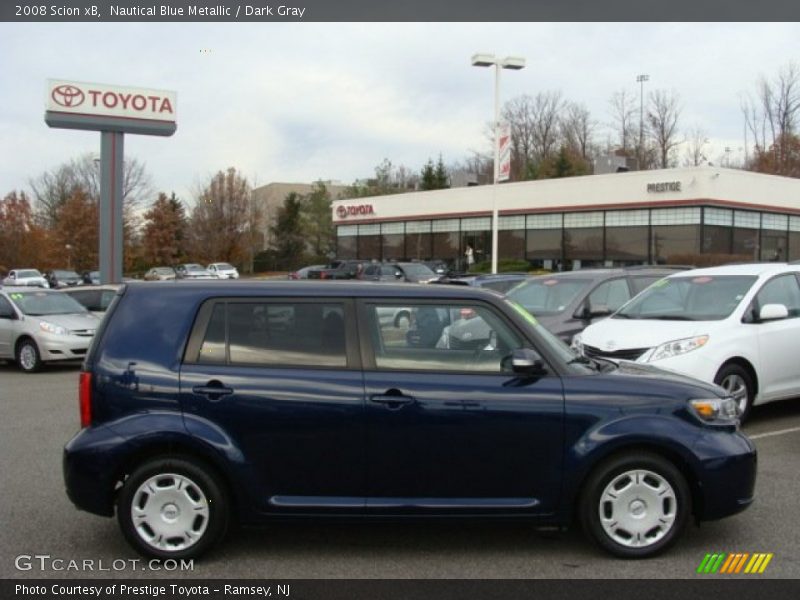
[448,425]
[779,368]
[282,379]
[8,324]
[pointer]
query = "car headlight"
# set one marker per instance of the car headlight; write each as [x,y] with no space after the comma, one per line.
[576,344]
[716,409]
[51,328]
[678,347]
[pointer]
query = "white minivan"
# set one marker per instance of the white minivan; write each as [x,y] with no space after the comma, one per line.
[737,326]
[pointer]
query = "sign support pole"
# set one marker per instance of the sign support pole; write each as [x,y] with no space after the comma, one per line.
[111,231]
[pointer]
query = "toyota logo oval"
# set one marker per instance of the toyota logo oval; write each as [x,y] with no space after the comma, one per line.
[67,96]
[341,211]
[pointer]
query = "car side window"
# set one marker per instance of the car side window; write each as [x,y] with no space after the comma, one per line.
[781,290]
[443,337]
[610,294]
[642,282]
[5,307]
[267,333]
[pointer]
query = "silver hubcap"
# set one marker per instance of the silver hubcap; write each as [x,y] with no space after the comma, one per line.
[638,508]
[170,512]
[736,387]
[27,357]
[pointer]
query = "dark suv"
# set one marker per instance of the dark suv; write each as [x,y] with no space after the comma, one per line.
[567,303]
[254,401]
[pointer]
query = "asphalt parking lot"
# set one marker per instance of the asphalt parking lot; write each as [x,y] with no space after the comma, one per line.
[38,414]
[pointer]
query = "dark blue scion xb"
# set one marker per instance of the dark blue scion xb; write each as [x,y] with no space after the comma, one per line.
[204,403]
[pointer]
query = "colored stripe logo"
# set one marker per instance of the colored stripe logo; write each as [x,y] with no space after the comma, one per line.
[733,563]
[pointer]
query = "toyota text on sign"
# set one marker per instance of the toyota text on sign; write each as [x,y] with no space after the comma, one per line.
[110,100]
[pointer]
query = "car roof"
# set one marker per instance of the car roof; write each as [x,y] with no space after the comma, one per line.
[26,288]
[102,286]
[753,269]
[312,288]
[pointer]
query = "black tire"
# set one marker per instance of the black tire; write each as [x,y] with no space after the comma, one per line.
[676,507]
[728,376]
[200,484]
[29,359]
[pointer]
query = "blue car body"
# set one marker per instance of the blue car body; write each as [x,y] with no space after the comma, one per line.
[323,441]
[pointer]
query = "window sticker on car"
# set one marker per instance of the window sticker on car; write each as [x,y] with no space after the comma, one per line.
[702,280]
[550,282]
[16,296]
[524,313]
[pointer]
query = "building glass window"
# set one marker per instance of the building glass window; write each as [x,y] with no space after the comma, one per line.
[794,239]
[511,244]
[626,245]
[774,245]
[675,244]
[745,243]
[418,240]
[584,244]
[445,246]
[717,239]
[675,216]
[544,248]
[347,241]
[393,240]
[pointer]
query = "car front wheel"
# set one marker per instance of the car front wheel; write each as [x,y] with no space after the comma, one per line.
[635,505]
[738,383]
[28,357]
[172,508]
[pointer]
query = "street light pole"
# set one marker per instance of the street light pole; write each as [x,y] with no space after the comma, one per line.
[640,79]
[509,62]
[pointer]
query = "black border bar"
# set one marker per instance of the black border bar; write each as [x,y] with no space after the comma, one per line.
[497,11]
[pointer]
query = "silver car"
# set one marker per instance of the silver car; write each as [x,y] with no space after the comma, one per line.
[38,326]
[223,270]
[26,277]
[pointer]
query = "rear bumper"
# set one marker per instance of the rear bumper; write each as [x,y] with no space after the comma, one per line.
[90,463]
[728,465]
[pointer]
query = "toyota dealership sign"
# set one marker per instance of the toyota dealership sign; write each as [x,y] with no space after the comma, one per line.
[110,100]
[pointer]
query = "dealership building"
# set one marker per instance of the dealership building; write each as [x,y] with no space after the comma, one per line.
[667,216]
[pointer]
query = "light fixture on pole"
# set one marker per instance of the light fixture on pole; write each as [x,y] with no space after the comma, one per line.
[640,79]
[514,63]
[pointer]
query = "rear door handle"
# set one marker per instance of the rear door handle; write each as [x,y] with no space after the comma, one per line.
[213,389]
[392,399]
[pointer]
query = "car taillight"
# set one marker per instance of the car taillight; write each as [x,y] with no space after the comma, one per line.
[85,398]
[323,275]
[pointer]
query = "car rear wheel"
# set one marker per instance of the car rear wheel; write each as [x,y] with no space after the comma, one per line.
[635,505]
[173,508]
[28,357]
[738,383]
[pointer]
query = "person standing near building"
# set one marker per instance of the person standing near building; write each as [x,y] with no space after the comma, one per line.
[470,256]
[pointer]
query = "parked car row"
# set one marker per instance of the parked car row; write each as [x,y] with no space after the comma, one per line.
[192,271]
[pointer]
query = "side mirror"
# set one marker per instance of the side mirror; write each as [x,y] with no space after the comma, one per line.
[525,361]
[587,312]
[773,312]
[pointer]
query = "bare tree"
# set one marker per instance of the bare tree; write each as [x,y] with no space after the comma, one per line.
[577,129]
[696,141]
[535,134]
[53,188]
[772,119]
[623,110]
[662,120]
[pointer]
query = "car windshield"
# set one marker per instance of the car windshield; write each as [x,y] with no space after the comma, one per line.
[224,266]
[548,295]
[163,270]
[417,270]
[698,298]
[66,274]
[554,343]
[194,268]
[36,304]
[28,273]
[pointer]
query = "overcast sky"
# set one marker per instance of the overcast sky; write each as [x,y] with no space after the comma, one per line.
[307,101]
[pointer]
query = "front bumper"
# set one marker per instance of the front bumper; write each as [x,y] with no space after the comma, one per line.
[727,474]
[62,347]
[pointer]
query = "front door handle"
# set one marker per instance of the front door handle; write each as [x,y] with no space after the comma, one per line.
[393,399]
[213,389]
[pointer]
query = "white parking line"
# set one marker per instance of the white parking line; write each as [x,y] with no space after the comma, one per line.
[772,433]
